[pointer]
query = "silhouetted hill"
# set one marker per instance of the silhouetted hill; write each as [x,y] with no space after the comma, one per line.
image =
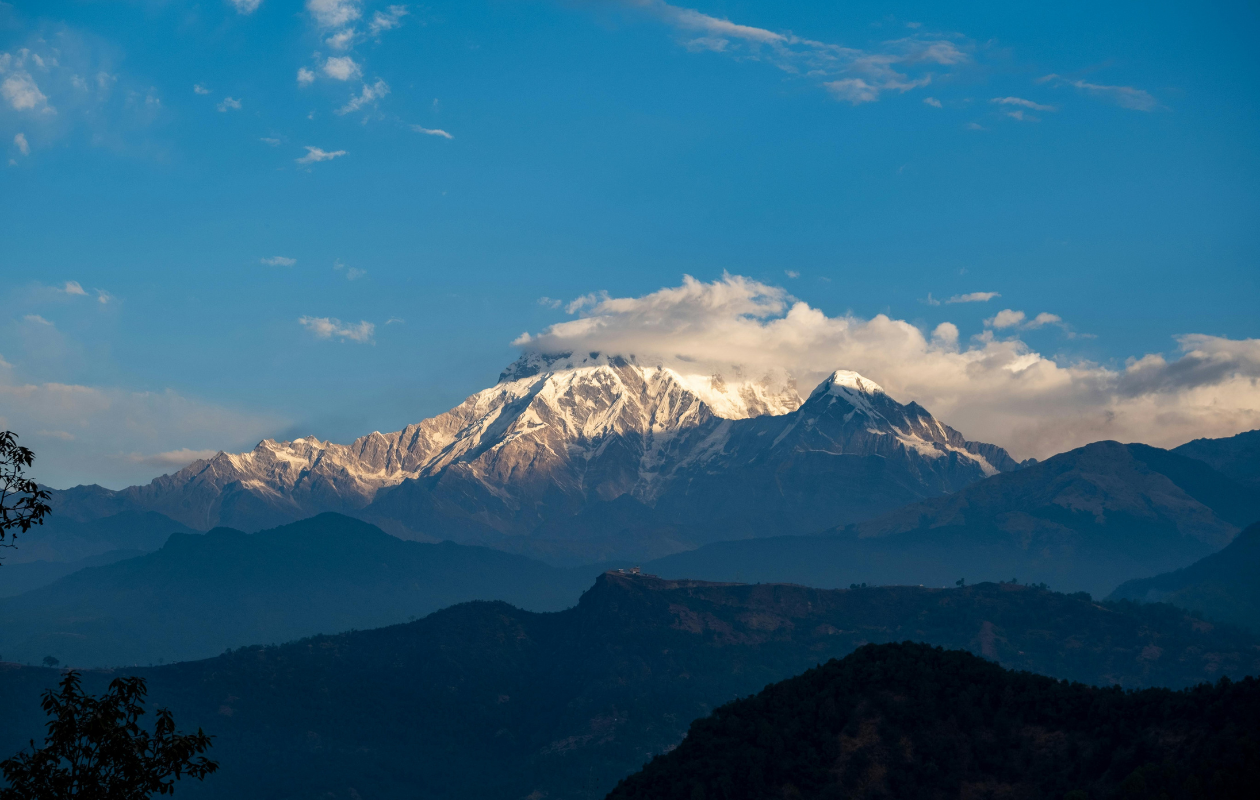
[1087,519]
[18,578]
[1236,456]
[63,538]
[202,593]
[1224,587]
[483,700]
[909,721]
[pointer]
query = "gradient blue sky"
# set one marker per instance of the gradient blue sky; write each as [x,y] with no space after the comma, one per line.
[1098,162]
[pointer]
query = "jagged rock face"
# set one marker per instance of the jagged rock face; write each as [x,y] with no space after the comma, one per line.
[560,435]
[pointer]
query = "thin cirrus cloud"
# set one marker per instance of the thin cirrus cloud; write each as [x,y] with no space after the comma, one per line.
[199,89]
[315,154]
[368,96]
[229,103]
[386,20]
[432,131]
[245,7]
[23,146]
[331,327]
[973,297]
[849,74]
[73,287]
[278,261]
[1124,96]
[993,389]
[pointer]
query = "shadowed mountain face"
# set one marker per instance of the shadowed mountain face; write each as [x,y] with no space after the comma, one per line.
[1086,520]
[1235,456]
[1224,587]
[483,700]
[202,593]
[519,466]
[908,720]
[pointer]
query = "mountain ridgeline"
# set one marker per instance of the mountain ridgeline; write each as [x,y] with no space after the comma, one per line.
[910,721]
[581,458]
[485,700]
[1088,519]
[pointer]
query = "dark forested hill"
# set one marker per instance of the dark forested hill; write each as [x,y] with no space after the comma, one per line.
[1087,519]
[483,700]
[910,721]
[1224,587]
[1235,456]
[202,593]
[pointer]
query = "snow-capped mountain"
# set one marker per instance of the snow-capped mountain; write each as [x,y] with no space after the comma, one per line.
[572,448]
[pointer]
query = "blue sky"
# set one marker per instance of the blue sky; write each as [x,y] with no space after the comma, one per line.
[1097,164]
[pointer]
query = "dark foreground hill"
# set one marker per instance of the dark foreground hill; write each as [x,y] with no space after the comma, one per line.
[1087,519]
[202,593]
[1224,587]
[483,700]
[910,721]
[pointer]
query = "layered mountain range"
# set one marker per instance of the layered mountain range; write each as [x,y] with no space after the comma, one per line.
[589,456]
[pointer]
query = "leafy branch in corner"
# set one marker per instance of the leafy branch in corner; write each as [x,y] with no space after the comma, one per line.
[21,500]
[96,750]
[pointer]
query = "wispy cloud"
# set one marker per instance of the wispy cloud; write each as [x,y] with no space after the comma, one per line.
[342,40]
[387,19]
[199,89]
[246,6]
[432,131]
[22,93]
[278,261]
[229,103]
[103,297]
[342,68]
[850,74]
[305,77]
[1123,96]
[269,140]
[351,273]
[973,297]
[37,319]
[933,102]
[369,95]
[23,146]
[314,154]
[329,327]
[549,302]
[73,287]
[1019,101]
[334,13]
[791,273]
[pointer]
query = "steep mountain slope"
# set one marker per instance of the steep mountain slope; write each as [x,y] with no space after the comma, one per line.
[1235,456]
[1224,587]
[483,700]
[203,593]
[1087,519]
[908,720]
[516,466]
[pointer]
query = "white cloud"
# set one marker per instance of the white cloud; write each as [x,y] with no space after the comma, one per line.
[933,102]
[327,328]
[341,68]
[23,94]
[246,6]
[432,131]
[1019,101]
[305,77]
[352,273]
[37,319]
[269,140]
[23,146]
[73,287]
[370,94]
[1020,115]
[231,103]
[1006,318]
[103,297]
[385,20]
[974,126]
[848,73]
[791,273]
[341,40]
[1123,96]
[314,154]
[395,321]
[278,261]
[173,460]
[1043,319]
[199,89]
[996,390]
[549,302]
[334,13]
[973,297]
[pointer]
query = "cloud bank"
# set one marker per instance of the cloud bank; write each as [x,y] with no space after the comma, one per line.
[993,388]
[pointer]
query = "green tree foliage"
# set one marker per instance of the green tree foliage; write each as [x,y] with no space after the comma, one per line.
[21,500]
[96,750]
[913,721]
